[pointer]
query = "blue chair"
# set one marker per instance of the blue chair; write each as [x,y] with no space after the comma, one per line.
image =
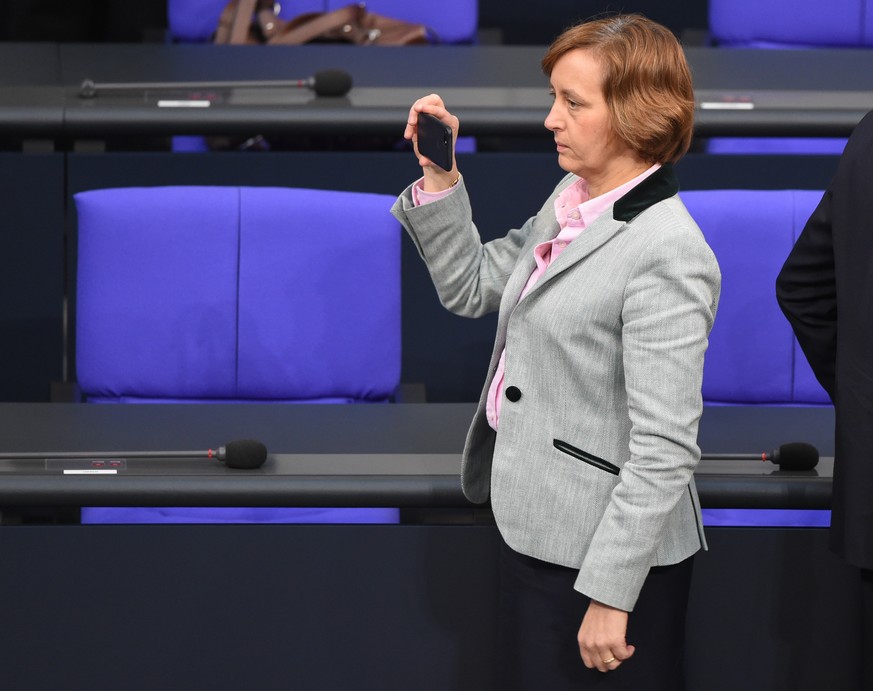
[753,356]
[236,294]
[775,24]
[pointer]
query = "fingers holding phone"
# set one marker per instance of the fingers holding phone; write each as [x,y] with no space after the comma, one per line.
[433,104]
[433,131]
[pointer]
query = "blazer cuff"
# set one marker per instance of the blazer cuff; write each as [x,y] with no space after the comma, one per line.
[613,583]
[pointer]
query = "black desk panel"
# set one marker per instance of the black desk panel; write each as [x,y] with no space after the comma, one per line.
[32,266]
[239,608]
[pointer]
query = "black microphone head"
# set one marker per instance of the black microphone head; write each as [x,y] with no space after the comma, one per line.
[796,456]
[331,83]
[245,454]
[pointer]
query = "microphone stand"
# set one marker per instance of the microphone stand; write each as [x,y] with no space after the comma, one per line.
[24,455]
[90,89]
[733,457]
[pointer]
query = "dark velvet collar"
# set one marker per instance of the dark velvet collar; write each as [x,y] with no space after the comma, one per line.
[660,185]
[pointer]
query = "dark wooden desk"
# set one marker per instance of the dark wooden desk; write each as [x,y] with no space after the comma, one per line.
[495,90]
[404,455]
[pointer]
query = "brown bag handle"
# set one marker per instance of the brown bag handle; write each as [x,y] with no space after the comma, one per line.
[235,21]
[232,21]
[306,27]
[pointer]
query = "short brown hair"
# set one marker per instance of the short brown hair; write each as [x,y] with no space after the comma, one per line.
[647,81]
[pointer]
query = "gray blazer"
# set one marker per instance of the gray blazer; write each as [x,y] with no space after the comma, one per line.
[593,464]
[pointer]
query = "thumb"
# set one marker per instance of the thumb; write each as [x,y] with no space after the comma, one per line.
[624,653]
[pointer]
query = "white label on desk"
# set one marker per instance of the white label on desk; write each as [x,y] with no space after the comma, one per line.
[92,471]
[726,105]
[183,104]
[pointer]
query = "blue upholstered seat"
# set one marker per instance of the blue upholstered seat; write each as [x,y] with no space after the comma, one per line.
[218,294]
[753,357]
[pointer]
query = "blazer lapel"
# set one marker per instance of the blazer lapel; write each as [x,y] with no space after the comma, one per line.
[596,235]
[544,229]
[520,275]
[660,185]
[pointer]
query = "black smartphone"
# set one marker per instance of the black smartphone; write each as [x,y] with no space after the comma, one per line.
[435,140]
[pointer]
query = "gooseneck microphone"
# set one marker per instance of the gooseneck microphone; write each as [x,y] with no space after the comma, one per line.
[330,82]
[245,454]
[793,456]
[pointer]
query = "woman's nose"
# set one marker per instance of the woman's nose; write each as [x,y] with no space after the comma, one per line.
[551,121]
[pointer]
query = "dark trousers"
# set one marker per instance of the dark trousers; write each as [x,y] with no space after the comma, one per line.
[540,615]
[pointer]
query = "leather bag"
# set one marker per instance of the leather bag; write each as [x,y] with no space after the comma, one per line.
[255,22]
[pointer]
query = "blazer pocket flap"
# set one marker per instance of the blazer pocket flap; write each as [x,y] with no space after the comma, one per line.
[590,459]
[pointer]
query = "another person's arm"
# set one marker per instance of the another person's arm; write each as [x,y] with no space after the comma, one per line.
[806,292]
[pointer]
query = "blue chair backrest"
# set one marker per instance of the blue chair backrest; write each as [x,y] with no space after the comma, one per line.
[452,21]
[237,294]
[791,23]
[753,357]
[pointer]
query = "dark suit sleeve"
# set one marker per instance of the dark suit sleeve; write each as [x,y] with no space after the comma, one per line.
[806,291]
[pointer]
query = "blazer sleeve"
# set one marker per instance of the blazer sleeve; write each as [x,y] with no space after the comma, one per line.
[469,275]
[806,292]
[669,307]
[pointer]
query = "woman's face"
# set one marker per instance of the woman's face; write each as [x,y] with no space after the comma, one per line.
[580,121]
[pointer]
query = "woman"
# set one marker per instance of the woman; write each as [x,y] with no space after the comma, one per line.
[585,435]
